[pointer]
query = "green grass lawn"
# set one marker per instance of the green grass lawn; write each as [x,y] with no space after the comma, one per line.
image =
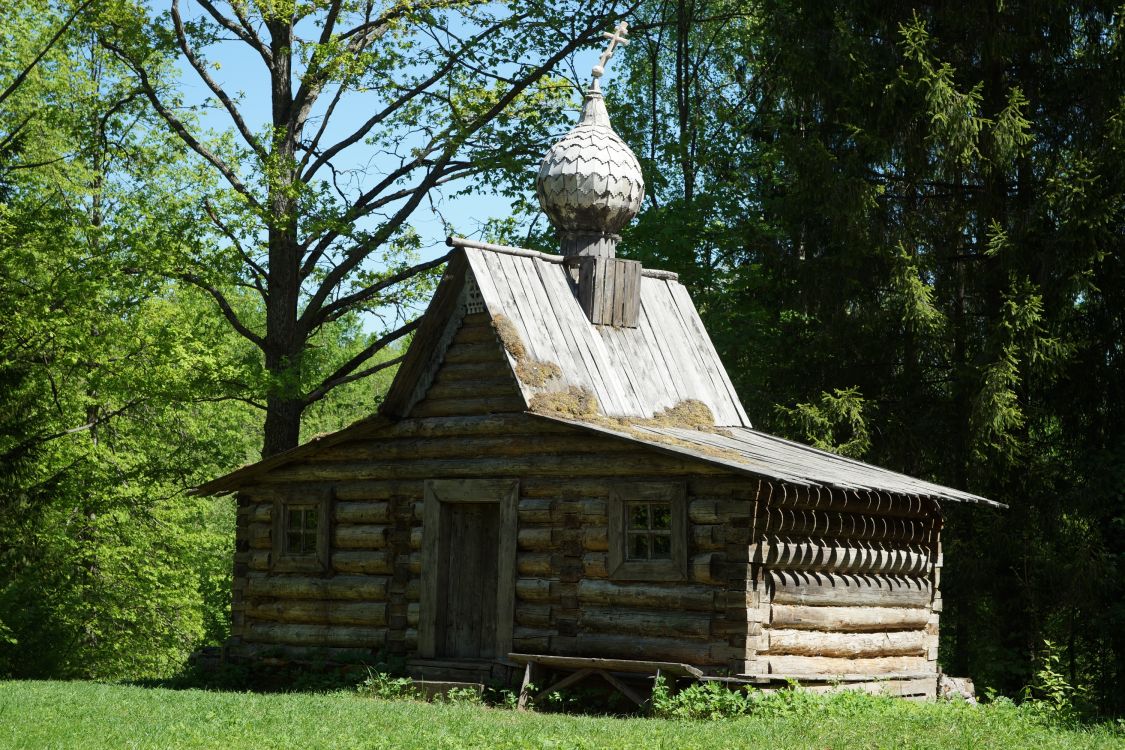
[92,715]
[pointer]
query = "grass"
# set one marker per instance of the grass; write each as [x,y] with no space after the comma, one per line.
[92,715]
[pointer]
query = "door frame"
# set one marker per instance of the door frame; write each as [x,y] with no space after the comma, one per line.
[505,492]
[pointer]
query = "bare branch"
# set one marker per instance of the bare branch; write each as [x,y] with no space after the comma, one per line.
[346,372]
[341,306]
[245,32]
[216,89]
[225,306]
[359,133]
[179,128]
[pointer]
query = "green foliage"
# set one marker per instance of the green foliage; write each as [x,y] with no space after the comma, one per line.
[835,423]
[388,687]
[46,714]
[1050,694]
[700,700]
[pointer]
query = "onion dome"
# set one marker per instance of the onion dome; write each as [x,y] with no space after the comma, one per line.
[590,183]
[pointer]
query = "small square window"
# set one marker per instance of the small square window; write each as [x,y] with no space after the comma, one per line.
[300,541]
[648,531]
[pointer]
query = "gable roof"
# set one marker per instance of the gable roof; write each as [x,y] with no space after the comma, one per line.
[633,374]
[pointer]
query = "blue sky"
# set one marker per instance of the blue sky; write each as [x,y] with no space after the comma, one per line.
[241,72]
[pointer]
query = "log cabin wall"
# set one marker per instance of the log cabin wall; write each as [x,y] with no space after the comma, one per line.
[847,583]
[471,425]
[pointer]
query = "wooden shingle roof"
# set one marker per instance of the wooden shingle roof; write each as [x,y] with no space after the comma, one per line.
[632,374]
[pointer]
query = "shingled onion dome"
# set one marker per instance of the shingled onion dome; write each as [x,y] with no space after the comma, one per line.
[590,183]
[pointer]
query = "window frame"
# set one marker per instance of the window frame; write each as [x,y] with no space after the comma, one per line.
[316,561]
[621,568]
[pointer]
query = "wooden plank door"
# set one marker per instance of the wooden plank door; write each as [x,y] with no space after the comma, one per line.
[469,561]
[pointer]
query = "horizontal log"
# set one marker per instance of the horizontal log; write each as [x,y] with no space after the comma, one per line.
[375,489]
[369,588]
[535,539]
[595,539]
[707,568]
[534,564]
[849,590]
[848,619]
[533,589]
[362,512]
[414,563]
[258,560]
[841,557]
[260,512]
[639,622]
[454,371]
[486,351]
[324,612]
[846,526]
[595,565]
[361,536]
[473,389]
[828,666]
[848,645]
[535,510]
[315,635]
[533,615]
[363,561]
[390,448]
[417,534]
[260,535]
[718,510]
[410,639]
[413,614]
[666,597]
[622,463]
[482,424]
[475,330]
[442,407]
[704,538]
[319,655]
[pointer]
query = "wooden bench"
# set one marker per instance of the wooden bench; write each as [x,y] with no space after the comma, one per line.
[581,667]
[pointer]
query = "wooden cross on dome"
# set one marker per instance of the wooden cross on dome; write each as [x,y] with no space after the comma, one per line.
[615,37]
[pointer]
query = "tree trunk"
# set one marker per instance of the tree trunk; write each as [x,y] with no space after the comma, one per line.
[284,342]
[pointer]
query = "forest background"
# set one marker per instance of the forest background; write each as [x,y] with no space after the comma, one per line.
[903,224]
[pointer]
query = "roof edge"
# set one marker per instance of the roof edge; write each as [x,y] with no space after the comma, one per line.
[463,242]
[232,481]
[681,451]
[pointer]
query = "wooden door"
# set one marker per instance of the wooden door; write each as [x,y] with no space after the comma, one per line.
[467,617]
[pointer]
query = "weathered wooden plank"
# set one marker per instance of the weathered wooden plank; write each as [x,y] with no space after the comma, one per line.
[315,635]
[362,512]
[639,622]
[363,536]
[848,619]
[635,666]
[444,407]
[325,612]
[827,666]
[473,389]
[369,588]
[640,463]
[851,590]
[676,597]
[363,561]
[531,564]
[535,590]
[535,538]
[783,641]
